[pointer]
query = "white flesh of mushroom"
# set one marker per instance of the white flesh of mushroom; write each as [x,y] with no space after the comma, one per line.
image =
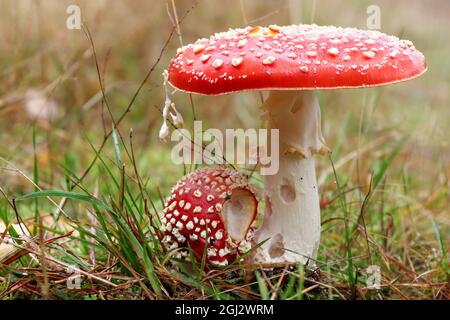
[238,214]
[292,216]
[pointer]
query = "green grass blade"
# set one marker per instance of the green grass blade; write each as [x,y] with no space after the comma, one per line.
[444,259]
[64,194]
[343,202]
[35,180]
[262,286]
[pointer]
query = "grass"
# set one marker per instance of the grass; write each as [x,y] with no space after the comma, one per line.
[89,185]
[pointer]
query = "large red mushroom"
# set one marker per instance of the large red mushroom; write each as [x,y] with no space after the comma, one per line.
[212,210]
[291,62]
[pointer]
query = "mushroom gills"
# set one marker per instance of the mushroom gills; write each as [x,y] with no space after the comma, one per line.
[238,213]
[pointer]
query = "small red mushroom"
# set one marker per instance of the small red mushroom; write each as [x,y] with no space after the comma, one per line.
[212,207]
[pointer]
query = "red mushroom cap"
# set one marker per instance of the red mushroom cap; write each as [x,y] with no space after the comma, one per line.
[293,57]
[200,212]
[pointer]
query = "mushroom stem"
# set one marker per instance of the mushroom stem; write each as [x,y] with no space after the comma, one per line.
[292,214]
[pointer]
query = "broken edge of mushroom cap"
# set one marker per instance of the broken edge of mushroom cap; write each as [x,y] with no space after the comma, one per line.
[297,57]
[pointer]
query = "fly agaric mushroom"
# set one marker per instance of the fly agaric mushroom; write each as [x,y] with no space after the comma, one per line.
[292,61]
[212,207]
